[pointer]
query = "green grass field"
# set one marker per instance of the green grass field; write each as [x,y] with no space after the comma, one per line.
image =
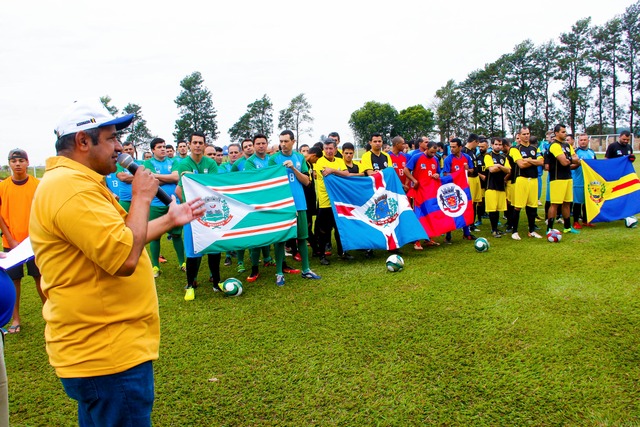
[529,333]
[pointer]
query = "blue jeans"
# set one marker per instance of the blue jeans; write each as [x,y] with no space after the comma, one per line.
[123,399]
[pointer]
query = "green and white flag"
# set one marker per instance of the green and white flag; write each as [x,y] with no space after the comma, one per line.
[244,210]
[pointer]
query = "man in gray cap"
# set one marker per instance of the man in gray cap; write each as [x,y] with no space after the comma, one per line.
[103,329]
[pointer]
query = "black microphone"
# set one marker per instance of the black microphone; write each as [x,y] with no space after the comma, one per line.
[127,162]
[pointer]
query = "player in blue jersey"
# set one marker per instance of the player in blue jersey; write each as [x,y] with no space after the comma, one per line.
[297,171]
[259,160]
[125,177]
[161,166]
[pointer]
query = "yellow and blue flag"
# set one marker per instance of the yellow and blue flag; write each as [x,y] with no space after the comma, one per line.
[611,189]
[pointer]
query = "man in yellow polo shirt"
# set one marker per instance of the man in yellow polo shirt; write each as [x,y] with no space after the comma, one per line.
[103,329]
[325,221]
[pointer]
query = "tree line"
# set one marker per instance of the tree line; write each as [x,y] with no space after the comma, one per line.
[588,78]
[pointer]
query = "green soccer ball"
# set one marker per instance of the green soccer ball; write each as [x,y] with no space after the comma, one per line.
[395,263]
[481,244]
[231,287]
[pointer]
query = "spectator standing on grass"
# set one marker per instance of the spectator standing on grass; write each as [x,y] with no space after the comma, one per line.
[16,196]
[103,328]
[196,162]
[161,167]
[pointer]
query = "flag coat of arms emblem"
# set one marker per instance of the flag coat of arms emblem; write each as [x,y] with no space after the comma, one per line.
[244,209]
[372,212]
[444,204]
[611,189]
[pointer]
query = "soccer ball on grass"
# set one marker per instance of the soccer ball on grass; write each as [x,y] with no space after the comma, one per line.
[231,287]
[395,263]
[481,244]
[554,236]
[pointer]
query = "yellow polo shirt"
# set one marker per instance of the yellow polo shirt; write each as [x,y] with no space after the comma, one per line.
[97,323]
[321,190]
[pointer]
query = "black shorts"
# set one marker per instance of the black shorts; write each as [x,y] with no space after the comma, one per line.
[17,272]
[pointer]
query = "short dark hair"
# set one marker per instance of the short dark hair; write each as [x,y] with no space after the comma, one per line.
[234,144]
[154,142]
[431,144]
[196,133]
[259,135]
[302,146]
[169,146]
[319,145]
[218,149]
[348,146]
[66,142]
[330,141]
[472,137]
[375,135]
[289,133]
[557,127]
[317,151]
[625,133]
[334,135]
[457,141]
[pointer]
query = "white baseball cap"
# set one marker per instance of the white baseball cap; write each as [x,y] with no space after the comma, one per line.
[83,115]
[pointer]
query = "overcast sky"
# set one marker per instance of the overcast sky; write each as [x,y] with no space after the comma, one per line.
[341,54]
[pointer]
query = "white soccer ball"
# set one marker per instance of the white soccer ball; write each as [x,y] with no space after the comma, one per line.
[481,244]
[630,222]
[232,287]
[395,263]
[554,236]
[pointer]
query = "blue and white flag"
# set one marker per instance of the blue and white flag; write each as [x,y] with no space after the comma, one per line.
[373,212]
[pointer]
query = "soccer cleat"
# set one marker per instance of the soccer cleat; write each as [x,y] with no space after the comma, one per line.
[190,294]
[310,275]
[227,261]
[289,270]
[509,229]
[469,237]
[571,230]
[297,257]
[218,287]
[417,246]
[577,225]
[473,228]
[535,235]
[183,267]
[496,234]
[162,259]
[478,223]
[156,271]
[346,256]
[324,261]
[280,279]
[587,224]
[241,268]
[269,263]
[516,236]
[253,277]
